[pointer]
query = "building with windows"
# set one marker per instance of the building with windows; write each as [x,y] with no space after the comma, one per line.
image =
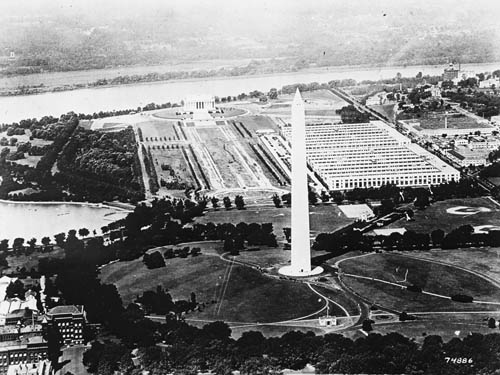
[364,155]
[69,321]
[23,347]
[450,73]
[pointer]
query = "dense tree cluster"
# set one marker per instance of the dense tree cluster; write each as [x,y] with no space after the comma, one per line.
[101,166]
[465,188]
[153,260]
[16,176]
[188,350]
[351,239]
[350,115]
[481,103]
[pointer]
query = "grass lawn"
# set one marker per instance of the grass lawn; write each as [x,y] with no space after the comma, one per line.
[322,218]
[241,294]
[436,217]
[483,260]
[265,258]
[431,277]
[253,123]
[402,300]
[156,129]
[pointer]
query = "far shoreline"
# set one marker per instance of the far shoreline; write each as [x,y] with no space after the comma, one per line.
[314,70]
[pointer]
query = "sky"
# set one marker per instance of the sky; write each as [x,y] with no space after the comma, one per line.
[254,7]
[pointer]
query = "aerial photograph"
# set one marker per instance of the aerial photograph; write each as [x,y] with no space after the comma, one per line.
[205,187]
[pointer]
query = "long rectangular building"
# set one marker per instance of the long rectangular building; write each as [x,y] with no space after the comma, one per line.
[365,155]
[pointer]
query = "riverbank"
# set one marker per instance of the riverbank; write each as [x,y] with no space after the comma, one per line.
[108,205]
[94,79]
[127,96]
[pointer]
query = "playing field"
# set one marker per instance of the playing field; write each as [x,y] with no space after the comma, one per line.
[452,213]
[230,292]
[431,277]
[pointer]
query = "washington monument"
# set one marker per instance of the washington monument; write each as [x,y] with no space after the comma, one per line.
[301,244]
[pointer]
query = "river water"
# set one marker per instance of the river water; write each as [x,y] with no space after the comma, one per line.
[28,220]
[16,108]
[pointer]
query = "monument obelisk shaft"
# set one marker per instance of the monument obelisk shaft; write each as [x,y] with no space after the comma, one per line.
[301,245]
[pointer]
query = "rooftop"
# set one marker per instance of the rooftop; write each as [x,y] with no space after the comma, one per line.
[65,309]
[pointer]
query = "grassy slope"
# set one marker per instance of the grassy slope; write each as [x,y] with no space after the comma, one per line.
[431,277]
[249,296]
[402,300]
[484,260]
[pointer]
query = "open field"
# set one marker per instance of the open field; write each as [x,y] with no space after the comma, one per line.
[431,277]
[393,297]
[323,218]
[436,120]
[437,217]
[484,260]
[158,132]
[254,123]
[241,294]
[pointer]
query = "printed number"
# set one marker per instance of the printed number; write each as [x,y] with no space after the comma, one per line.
[459,360]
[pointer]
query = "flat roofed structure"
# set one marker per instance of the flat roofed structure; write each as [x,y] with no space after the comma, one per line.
[199,103]
[364,155]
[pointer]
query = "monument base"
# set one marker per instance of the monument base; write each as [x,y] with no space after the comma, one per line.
[295,272]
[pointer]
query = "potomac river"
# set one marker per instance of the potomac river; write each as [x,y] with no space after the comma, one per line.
[16,108]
